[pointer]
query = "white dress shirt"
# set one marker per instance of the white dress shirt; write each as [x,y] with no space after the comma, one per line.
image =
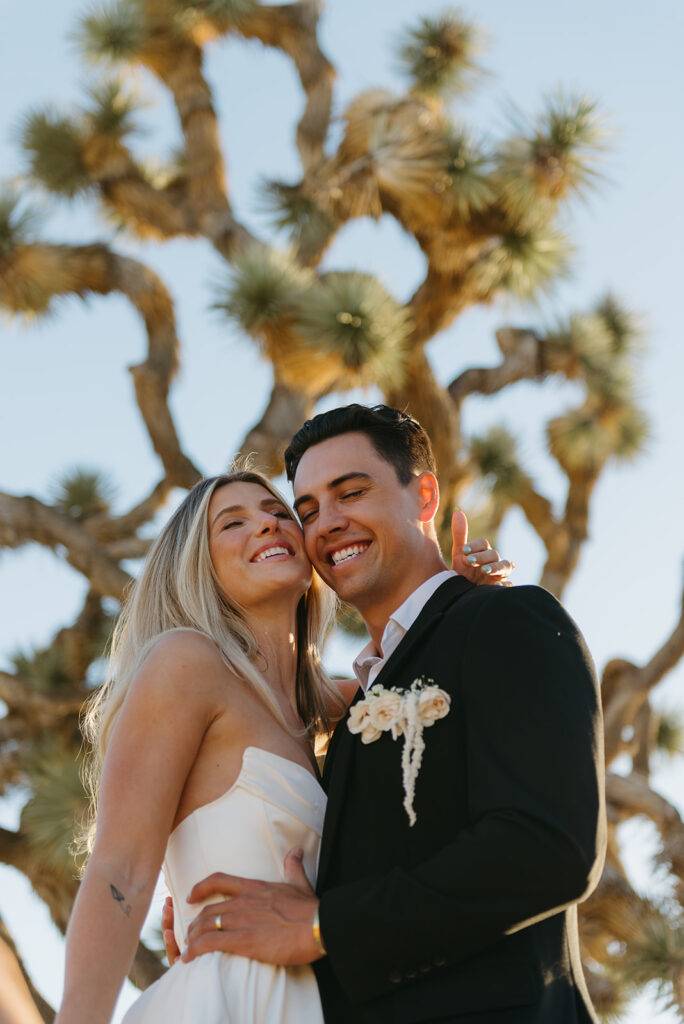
[368,662]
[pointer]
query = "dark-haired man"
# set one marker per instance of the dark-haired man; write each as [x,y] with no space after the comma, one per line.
[456,902]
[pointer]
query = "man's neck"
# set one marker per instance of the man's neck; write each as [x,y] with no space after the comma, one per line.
[377,615]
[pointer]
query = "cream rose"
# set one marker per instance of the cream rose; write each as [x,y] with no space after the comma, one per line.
[358,717]
[370,733]
[433,704]
[386,711]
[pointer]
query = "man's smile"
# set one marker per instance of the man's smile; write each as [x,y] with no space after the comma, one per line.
[342,555]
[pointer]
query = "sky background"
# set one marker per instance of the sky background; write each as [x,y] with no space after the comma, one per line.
[66,398]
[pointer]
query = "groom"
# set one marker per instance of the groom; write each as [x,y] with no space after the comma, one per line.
[469,915]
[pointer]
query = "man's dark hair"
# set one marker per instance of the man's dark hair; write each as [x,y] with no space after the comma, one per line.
[396,437]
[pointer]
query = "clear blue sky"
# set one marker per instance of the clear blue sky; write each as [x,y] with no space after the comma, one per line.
[66,398]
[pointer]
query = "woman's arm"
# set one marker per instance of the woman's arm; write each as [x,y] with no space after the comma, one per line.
[153,747]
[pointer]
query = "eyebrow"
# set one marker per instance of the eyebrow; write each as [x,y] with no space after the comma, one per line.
[355,474]
[230,510]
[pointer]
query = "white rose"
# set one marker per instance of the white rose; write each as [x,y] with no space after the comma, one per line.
[387,711]
[370,733]
[433,704]
[358,717]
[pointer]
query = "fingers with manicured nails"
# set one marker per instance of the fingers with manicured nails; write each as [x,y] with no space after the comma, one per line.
[218,884]
[497,568]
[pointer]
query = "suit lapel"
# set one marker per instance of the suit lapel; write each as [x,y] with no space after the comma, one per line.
[442,599]
[337,763]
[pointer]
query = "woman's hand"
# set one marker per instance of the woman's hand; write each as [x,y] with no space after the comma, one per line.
[476,559]
[170,944]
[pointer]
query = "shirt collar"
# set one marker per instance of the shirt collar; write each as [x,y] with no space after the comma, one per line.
[398,625]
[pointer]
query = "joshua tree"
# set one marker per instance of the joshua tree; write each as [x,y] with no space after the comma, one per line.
[487,219]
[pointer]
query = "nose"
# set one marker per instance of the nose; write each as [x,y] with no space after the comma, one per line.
[268,524]
[331,519]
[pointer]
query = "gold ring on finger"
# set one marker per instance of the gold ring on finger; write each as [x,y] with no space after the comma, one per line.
[217,923]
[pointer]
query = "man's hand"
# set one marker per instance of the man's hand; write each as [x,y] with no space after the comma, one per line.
[170,944]
[475,559]
[267,921]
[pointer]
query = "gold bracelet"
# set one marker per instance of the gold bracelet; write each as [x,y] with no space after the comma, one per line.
[317,935]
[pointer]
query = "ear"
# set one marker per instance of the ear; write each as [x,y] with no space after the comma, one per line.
[429,496]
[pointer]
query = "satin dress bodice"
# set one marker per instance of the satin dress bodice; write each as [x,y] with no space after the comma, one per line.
[273,805]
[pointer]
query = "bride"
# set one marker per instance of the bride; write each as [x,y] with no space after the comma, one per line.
[203,738]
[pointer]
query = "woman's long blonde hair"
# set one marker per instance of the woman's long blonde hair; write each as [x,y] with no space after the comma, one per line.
[178,589]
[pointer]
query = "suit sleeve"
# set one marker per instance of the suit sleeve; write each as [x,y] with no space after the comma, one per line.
[535,793]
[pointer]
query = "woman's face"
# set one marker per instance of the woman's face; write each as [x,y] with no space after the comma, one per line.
[256,547]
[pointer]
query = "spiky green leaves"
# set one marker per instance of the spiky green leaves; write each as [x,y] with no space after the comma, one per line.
[585,438]
[495,455]
[265,287]
[65,152]
[353,316]
[550,158]
[610,422]
[57,806]
[43,668]
[340,328]
[111,110]
[439,54]
[306,223]
[656,954]
[114,32]
[670,733]
[523,263]
[82,493]
[17,224]
[54,147]
[466,180]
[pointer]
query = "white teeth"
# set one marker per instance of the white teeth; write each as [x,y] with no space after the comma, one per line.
[269,552]
[345,553]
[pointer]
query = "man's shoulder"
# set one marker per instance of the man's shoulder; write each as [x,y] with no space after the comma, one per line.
[493,605]
[497,597]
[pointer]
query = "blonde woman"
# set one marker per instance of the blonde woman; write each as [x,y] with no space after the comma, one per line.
[204,742]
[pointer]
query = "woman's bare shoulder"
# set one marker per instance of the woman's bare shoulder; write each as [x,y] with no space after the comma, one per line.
[182,656]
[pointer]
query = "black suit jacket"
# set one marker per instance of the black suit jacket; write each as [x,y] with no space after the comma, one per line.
[470,915]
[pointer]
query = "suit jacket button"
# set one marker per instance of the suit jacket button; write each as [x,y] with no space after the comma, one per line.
[395,977]
[412,974]
[439,961]
[425,968]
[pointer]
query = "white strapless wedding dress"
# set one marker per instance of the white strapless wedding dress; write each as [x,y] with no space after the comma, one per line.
[273,805]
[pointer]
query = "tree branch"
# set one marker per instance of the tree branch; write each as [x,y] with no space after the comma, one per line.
[160,213]
[292,29]
[527,356]
[42,708]
[108,530]
[24,520]
[625,686]
[179,66]
[20,1000]
[631,795]
[34,274]
[284,414]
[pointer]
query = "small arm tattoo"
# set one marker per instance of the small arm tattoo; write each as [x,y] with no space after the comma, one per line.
[120,899]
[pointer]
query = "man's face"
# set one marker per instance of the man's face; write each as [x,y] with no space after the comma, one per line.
[362,528]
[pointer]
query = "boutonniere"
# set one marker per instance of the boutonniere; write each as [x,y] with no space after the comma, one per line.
[403,713]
